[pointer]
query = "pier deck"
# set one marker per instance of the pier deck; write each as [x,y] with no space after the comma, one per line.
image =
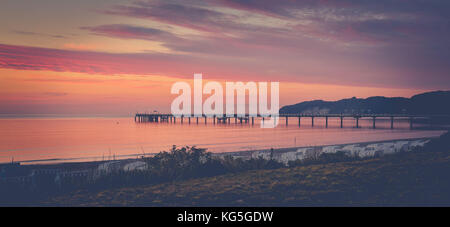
[250,119]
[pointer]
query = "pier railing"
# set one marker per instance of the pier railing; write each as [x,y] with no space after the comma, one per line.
[250,119]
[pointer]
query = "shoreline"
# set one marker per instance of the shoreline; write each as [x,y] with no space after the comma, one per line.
[361,150]
[72,163]
[288,149]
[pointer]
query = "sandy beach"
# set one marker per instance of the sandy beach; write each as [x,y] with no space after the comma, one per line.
[284,155]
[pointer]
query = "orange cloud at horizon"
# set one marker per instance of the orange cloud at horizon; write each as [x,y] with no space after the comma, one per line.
[47,92]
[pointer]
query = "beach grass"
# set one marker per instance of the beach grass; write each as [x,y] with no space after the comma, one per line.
[403,179]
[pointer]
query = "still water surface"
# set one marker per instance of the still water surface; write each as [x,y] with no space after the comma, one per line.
[88,139]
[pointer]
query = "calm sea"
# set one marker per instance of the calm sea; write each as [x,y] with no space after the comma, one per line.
[102,138]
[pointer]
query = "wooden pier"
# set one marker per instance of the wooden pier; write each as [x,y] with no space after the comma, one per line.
[247,119]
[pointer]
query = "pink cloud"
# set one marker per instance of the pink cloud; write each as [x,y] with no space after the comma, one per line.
[81,46]
[34,58]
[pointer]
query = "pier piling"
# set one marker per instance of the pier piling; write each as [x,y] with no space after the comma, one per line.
[374,126]
[157,117]
[357,122]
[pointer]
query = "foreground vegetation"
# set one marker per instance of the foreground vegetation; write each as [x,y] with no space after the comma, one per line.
[175,165]
[417,177]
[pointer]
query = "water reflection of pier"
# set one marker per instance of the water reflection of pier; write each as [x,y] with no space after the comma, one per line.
[249,119]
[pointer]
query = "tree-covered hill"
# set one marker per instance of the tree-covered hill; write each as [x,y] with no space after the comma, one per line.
[427,103]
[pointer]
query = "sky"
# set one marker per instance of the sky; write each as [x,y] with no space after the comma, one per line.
[121,57]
